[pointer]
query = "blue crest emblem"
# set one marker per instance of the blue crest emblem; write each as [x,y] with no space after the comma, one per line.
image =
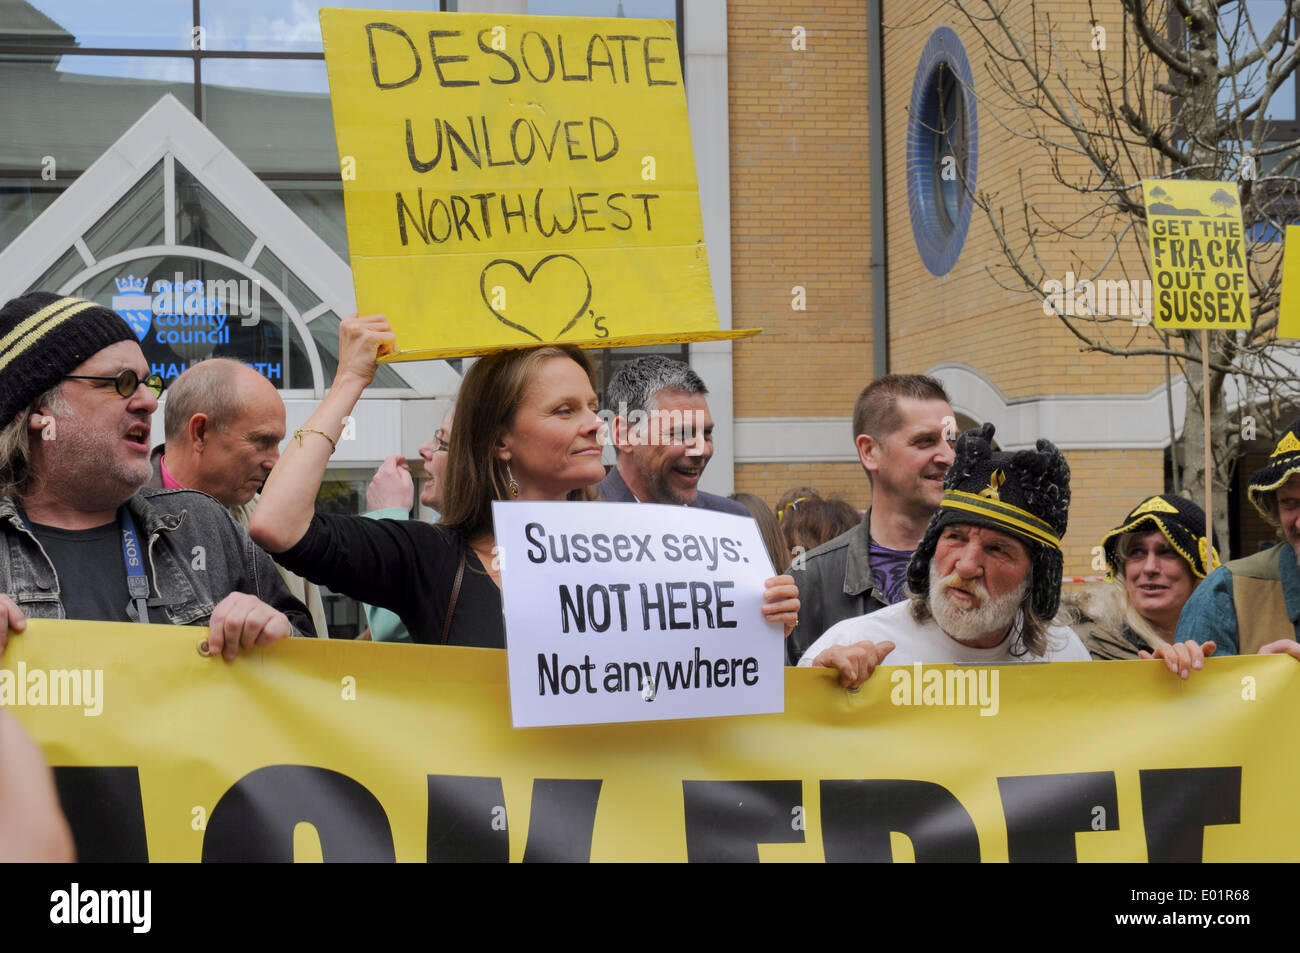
[134,304]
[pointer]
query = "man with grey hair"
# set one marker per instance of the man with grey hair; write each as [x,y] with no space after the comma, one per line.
[663,434]
[79,537]
[224,423]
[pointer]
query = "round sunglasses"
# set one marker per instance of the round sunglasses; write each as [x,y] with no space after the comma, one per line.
[126,382]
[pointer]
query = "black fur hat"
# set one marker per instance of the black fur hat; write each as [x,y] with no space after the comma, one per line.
[1026,493]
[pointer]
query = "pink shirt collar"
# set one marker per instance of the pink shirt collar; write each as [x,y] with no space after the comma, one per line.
[168,481]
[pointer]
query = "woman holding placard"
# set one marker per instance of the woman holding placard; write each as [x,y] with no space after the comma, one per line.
[525,428]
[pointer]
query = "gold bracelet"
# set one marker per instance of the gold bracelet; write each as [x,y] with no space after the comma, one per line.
[297,435]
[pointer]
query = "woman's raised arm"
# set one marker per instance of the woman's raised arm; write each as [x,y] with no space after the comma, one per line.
[288,499]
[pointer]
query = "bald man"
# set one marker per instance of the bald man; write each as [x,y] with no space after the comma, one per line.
[224,424]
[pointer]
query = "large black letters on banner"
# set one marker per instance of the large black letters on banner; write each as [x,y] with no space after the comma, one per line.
[254,820]
[1044,811]
[467,820]
[562,819]
[727,820]
[1179,803]
[105,812]
[857,817]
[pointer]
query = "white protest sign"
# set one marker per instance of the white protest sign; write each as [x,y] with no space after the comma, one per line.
[635,612]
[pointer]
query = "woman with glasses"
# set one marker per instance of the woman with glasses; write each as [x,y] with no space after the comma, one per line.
[1157,555]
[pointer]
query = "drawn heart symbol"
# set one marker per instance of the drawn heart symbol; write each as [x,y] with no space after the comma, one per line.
[540,298]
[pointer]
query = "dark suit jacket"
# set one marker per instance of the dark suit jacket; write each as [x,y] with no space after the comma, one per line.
[614,490]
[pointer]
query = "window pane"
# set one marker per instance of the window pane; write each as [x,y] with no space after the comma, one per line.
[68,265]
[636,9]
[202,221]
[280,25]
[320,205]
[123,24]
[72,110]
[135,221]
[274,114]
[21,200]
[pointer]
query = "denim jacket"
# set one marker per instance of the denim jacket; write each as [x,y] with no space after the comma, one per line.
[196,553]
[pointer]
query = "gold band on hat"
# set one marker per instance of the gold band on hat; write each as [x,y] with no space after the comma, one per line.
[1014,518]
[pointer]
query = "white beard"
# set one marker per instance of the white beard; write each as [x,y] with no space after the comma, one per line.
[968,623]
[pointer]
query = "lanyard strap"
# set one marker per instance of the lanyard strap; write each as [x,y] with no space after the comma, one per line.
[137,583]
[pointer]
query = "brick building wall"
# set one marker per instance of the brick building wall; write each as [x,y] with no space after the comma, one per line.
[800,216]
[799,208]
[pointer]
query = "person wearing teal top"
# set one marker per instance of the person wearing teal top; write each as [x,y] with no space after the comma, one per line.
[389,497]
[1252,605]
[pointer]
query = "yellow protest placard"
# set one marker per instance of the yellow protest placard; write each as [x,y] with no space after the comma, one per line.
[512,180]
[1198,255]
[1288,307]
[368,751]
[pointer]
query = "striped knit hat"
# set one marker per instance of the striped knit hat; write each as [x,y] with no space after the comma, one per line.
[43,338]
[1026,494]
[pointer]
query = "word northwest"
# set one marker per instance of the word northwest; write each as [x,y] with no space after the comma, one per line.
[628,548]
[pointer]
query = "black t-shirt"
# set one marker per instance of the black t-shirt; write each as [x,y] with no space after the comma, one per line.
[404,565]
[91,570]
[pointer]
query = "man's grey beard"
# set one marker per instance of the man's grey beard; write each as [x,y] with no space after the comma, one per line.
[967,624]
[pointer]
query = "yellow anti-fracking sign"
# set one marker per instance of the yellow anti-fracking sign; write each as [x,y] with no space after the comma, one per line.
[1198,254]
[357,751]
[514,180]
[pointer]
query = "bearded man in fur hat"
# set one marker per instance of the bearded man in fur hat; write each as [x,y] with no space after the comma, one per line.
[985,583]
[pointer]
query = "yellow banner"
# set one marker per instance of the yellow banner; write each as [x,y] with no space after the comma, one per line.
[1198,254]
[515,180]
[1288,306]
[357,751]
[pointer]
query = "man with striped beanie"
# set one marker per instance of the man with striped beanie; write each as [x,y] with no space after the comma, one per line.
[984,583]
[1252,605]
[79,538]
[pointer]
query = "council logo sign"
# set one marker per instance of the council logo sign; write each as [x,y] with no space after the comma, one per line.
[186,312]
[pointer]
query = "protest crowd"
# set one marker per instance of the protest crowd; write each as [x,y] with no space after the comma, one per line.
[221,523]
[957,560]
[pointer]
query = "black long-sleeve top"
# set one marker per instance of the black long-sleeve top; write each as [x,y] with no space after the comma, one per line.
[406,566]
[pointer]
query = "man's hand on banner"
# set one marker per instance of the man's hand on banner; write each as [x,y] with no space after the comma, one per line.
[241,621]
[856,662]
[1181,657]
[11,620]
[781,602]
[1282,647]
